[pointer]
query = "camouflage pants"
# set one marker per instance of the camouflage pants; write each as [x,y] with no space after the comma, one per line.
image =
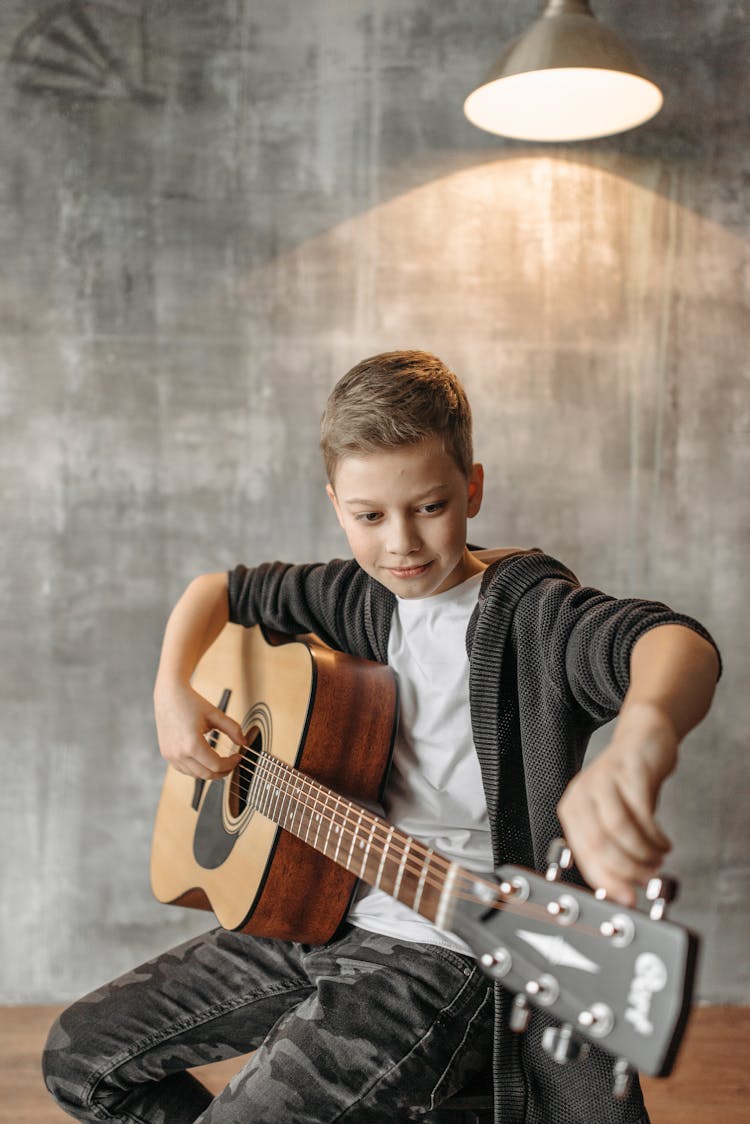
[364,1029]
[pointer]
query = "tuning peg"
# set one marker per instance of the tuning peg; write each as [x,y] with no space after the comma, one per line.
[559,858]
[565,909]
[598,1020]
[623,1079]
[563,1044]
[519,1014]
[497,963]
[660,892]
[619,928]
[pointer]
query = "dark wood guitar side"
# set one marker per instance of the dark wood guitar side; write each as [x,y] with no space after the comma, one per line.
[330,716]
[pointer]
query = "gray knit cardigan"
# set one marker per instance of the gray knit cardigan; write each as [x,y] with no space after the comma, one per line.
[549,664]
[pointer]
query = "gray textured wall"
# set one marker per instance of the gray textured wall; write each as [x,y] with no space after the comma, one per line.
[198,240]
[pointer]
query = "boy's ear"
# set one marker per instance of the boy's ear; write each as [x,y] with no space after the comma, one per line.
[332,497]
[476,489]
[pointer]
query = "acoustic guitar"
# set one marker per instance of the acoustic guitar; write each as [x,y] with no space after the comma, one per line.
[277,846]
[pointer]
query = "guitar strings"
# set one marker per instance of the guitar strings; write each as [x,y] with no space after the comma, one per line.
[316,800]
[288,781]
[282,774]
[461,890]
[291,780]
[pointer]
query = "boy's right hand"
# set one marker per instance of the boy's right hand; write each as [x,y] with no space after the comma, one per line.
[184,719]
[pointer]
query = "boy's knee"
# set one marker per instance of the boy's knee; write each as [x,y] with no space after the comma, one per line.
[66,1069]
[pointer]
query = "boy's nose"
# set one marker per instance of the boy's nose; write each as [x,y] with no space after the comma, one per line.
[403,539]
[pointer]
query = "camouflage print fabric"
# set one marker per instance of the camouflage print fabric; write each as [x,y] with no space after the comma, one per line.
[364,1029]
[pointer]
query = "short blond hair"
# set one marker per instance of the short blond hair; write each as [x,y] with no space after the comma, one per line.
[394,399]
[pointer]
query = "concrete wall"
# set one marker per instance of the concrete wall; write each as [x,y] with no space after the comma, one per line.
[198,241]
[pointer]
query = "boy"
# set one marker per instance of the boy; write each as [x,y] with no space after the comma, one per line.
[505,668]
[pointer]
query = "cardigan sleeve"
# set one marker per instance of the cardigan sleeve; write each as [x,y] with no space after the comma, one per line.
[327,599]
[584,639]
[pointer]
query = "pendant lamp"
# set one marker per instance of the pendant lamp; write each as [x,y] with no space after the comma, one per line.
[567,78]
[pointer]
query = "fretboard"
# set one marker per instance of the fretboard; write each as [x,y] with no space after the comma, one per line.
[354,838]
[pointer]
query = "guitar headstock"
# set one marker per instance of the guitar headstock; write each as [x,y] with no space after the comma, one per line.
[613,976]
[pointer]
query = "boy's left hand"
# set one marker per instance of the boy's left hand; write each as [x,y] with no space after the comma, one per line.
[607,810]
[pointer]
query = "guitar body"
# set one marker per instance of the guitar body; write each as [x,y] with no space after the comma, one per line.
[277,847]
[330,716]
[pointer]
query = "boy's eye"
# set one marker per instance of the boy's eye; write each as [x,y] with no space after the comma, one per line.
[367,516]
[432,508]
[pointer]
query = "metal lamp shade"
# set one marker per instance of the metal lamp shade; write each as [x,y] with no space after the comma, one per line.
[567,78]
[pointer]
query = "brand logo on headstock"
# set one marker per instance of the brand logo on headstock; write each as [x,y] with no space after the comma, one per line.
[650,977]
[558,951]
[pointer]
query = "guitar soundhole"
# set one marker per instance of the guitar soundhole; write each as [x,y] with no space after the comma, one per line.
[242,778]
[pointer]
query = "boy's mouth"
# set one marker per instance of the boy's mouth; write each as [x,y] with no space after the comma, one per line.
[409,571]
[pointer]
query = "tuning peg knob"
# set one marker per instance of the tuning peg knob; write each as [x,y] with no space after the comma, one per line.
[660,892]
[622,1079]
[497,963]
[619,928]
[597,1020]
[559,858]
[563,1044]
[519,1014]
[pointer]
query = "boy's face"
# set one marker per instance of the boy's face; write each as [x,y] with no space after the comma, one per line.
[404,514]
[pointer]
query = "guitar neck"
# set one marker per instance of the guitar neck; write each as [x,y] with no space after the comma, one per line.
[354,838]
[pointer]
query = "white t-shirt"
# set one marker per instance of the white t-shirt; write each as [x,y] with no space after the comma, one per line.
[434,790]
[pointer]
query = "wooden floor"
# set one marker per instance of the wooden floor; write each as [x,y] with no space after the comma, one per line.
[710,1084]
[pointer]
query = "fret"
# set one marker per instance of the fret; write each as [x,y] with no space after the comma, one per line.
[307,800]
[264,797]
[295,809]
[354,839]
[423,875]
[336,826]
[276,790]
[401,866]
[315,822]
[360,841]
[383,857]
[303,788]
[331,819]
[288,796]
[300,803]
[252,792]
[319,803]
[296,805]
[442,917]
[268,792]
[287,782]
[366,854]
[308,813]
[339,835]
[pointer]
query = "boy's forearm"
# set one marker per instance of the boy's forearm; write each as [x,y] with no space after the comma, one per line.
[608,810]
[193,625]
[673,674]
